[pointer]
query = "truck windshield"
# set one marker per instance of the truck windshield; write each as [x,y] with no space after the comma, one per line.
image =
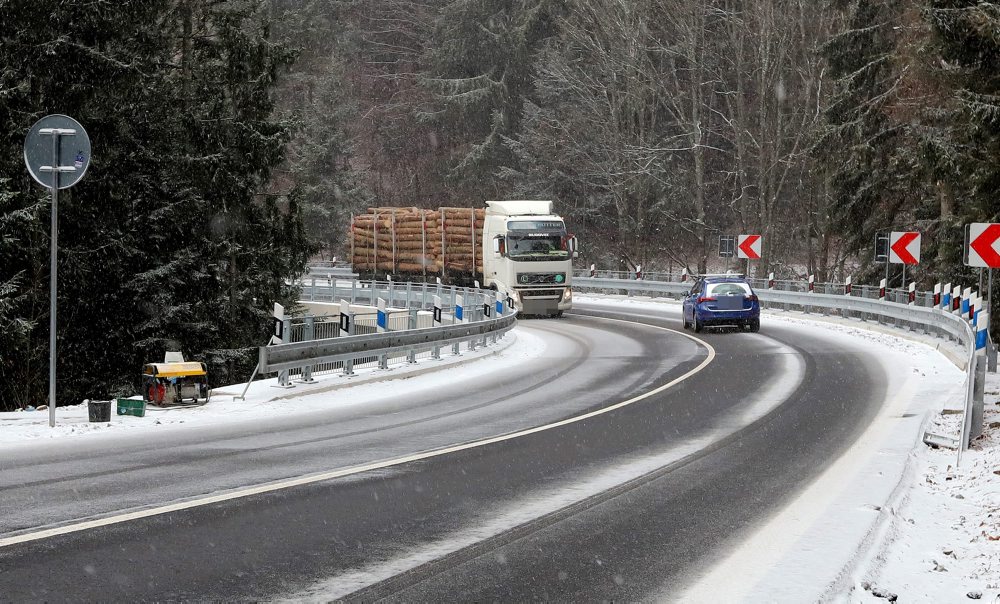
[536,246]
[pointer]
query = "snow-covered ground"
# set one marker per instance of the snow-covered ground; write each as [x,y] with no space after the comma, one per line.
[941,543]
[893,518]
[264,399]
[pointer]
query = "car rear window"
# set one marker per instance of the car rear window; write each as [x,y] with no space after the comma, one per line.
[724,289]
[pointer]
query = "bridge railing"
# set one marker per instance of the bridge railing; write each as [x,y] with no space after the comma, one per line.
[412,327]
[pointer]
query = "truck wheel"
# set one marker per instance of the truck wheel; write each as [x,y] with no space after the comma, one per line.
[556,314]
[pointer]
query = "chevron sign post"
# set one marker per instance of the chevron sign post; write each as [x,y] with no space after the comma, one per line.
[904,247]
[981,243]
[748,246]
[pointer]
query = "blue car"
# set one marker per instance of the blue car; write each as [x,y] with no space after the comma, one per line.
[722,300]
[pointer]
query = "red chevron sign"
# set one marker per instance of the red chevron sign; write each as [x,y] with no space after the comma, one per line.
[904,247]
[982,245]
[749,247]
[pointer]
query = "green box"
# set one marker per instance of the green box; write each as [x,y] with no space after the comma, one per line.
[129,406]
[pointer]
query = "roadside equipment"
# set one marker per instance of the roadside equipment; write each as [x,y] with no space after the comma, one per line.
[175,383]
[129,406]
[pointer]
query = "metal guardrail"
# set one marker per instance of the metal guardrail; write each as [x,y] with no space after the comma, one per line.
[327,271]
[396,294]
[402,339]
[288,356]
[934,321]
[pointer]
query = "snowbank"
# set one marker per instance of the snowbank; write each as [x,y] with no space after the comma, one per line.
[264,399]
[942,542]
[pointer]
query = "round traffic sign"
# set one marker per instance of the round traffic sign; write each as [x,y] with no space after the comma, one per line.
[63,137]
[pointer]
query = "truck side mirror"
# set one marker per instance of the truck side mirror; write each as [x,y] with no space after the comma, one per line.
[500,245]
[574,252]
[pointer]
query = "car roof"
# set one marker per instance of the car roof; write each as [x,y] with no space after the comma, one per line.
[725,279]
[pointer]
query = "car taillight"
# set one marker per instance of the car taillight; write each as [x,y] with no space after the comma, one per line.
[752,297]
[706,299]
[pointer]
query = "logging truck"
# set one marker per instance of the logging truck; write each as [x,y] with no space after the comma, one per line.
[520,248]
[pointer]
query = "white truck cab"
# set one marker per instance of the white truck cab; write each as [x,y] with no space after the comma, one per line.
[529,256]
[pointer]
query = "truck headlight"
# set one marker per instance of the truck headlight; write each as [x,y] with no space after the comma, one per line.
[567,294]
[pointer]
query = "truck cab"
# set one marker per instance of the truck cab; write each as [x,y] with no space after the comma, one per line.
[529,256]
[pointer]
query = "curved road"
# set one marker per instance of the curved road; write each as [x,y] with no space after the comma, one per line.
[628,504]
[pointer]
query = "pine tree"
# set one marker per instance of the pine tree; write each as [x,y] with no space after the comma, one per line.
[968,49]
[860,143]
[313,96]
[481,67]
[167,243]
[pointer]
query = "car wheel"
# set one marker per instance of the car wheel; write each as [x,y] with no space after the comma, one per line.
[754,325]
[697,325]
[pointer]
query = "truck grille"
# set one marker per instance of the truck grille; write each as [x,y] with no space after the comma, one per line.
[540,293]
[540,278]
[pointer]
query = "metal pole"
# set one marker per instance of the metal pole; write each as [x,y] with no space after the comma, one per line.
[53,254]
[991,354]
[989,294]
[903,284]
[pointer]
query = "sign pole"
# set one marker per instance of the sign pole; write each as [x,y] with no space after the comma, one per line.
[46,162]
[989,293]
[53,255]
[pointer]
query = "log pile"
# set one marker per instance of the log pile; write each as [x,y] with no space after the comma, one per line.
[411,240]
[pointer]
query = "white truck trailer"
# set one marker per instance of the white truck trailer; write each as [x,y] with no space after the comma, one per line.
[521,248]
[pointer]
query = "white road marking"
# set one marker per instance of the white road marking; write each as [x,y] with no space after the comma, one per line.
[489,522]
[332,474]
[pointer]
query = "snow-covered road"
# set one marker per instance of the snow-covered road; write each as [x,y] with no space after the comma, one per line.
[848,527]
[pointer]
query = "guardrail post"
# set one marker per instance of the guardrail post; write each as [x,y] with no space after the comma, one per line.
[312,290]
[412,356]
[499,305]
[482,306]
[308,336]
[455,351]
[409,293]
[284,380]
[979,390]
[349,363]
[473,311]
[901,299]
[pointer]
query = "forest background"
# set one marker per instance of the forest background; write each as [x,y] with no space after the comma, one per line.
[233,139]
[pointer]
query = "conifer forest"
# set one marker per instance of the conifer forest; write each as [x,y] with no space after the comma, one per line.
[234,139]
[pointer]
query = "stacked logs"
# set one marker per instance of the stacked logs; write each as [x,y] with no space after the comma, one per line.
[411,240]
[462,239]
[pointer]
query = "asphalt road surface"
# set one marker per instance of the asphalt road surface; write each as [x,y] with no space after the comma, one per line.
[628,504]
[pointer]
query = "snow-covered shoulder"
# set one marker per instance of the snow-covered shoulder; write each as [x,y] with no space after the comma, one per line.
[264,401]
